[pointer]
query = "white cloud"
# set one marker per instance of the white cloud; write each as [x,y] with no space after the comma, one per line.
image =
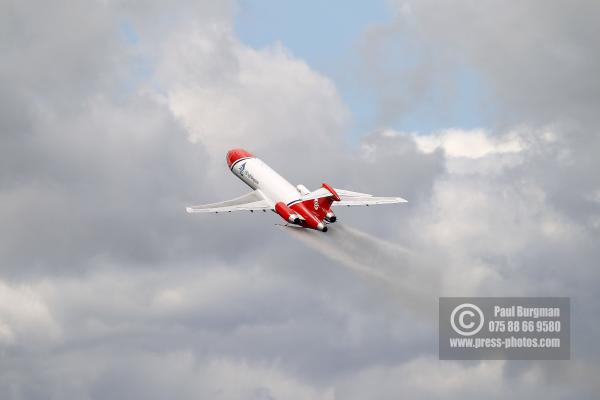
[230,95]
[24,316]
[471,144]
[132,287]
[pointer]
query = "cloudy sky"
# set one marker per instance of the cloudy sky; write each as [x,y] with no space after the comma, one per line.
[114,115]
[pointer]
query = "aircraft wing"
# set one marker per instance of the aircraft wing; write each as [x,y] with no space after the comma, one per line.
[253,201]
[349,198]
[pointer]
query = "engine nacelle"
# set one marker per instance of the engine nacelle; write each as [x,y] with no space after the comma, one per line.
[330,217]
[287,213]
[309,218]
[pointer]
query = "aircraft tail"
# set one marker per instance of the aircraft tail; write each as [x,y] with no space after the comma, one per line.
[321,200]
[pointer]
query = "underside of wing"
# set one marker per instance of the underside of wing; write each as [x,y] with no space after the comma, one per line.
[349,198]
[253,201]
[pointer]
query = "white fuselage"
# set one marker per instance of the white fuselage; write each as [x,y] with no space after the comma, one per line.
[259,176]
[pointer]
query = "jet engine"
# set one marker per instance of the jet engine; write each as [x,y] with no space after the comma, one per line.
[330,217]
[287,213]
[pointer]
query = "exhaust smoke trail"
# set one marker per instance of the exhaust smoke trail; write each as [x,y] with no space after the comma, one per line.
[407,275]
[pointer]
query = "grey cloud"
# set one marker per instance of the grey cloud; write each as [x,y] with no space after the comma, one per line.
[536,60]
[95,181]
[139,299]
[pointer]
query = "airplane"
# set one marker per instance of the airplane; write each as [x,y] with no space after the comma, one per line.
[295,204]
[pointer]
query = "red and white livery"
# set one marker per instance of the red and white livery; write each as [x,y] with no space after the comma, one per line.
[296,205]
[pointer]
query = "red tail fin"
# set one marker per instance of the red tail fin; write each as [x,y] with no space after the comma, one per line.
[321,206]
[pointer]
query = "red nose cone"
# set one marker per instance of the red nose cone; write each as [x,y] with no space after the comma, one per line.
[235,154]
